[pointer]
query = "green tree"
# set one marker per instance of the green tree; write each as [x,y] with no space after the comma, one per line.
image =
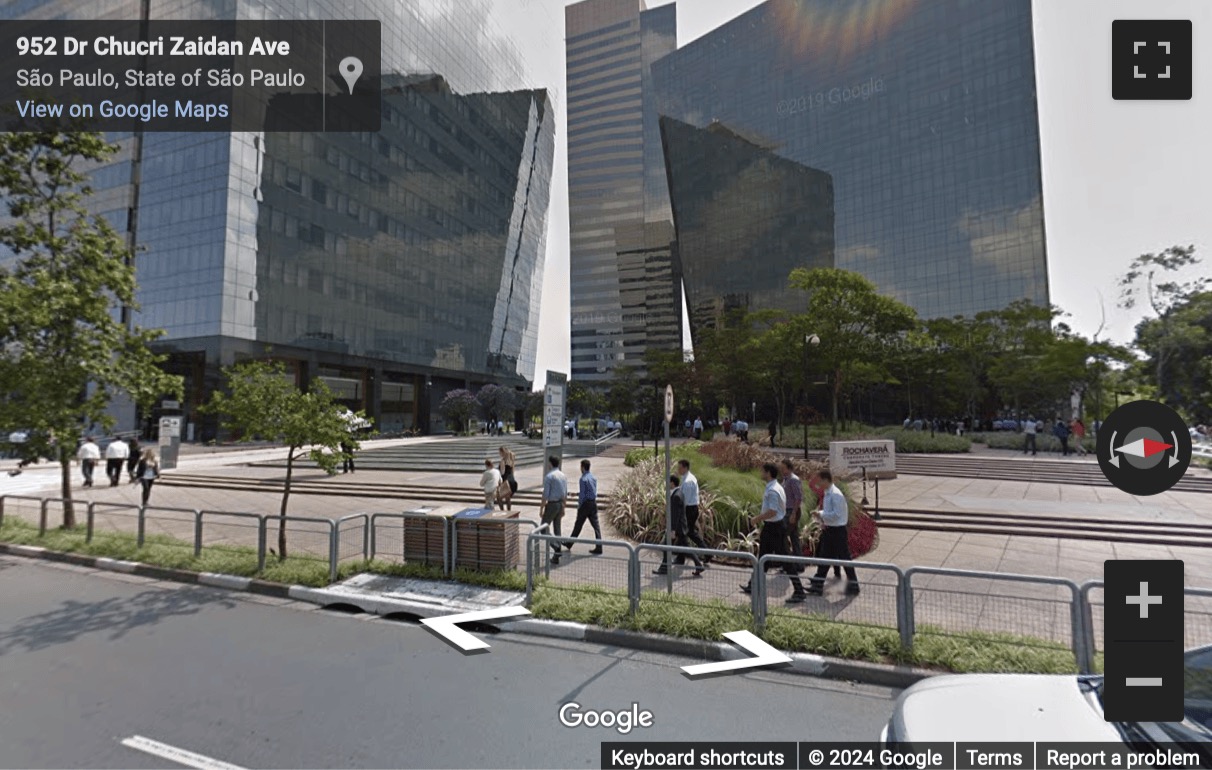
[856,325]
[457,407]
[263,402]
[1186,339]
[584,400]
[623,395]
[495,402]
[65,347]
[1153,279]
[532,407]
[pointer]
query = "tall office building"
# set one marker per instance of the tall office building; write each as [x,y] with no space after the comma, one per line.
[921,112]
[745,217]
[626,294]
[394,266]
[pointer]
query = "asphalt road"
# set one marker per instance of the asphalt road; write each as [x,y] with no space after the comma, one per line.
[89,658]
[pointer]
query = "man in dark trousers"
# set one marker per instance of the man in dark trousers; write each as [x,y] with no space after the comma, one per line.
[793,488]
[774,530]
[587,508]
[551,508]
[835,541]
[677,522]
[690,495]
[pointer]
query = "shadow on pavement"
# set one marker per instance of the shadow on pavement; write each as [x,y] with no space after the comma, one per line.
[117,616]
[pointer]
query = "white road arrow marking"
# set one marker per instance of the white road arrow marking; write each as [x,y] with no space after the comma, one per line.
[447,628]
[174,754]
[766,655]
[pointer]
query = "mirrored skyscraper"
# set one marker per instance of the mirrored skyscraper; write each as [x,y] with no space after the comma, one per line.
[626,296]
[393,266]
[921,112]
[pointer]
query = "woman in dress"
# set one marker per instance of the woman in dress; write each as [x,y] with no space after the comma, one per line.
[148,471]
[509,484]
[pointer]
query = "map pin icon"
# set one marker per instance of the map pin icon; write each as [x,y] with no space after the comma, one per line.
[351,70]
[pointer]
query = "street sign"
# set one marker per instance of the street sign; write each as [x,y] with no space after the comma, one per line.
[877,456]
[170,427]
[553,413]
[668,403]
[170,406]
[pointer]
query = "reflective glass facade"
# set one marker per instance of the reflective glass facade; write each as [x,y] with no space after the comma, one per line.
[744,218]
[393,266]
[626,296]
[921,112]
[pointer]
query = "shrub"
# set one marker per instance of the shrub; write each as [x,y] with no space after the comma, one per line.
[730,495]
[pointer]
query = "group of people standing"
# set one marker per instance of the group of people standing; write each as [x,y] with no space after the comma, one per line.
[1061,430]
[120,454]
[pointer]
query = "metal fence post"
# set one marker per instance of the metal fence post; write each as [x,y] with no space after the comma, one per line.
[758,595]
[262,541]
[372,525]
[141,526]
[910,629]
[197,534]
[529,572]
[365,537]
[88,522]
[633,583]
[334,549]
[2,497]
[42,518]
[1085,661]
[904,611]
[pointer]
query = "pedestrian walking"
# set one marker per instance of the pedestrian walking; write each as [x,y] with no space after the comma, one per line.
[773,522]
[148,471]
[689,427]
[1061,431]
[793,489]
[509,486]
[555,492]
[500,427]
[835,540]
[690,497]
[1078,429]
[116,455]
[677,524]
[698,427]
[89,453]
[742,431]
[1029,430]
[727,426]
[132,459]
[490,482]
[587,508]
[773,430]
[347,457]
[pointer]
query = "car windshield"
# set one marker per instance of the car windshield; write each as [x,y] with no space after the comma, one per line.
[1196,726]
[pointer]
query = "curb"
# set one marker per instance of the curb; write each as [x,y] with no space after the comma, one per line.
[801,663]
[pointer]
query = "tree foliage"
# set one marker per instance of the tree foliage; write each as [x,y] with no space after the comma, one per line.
[1154,280]
[856,326]
[494,402]
[65,348]
[263,402]
[457,407]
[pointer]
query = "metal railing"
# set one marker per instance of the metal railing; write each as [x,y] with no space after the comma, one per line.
[597,443]
[942,600]
[863,612]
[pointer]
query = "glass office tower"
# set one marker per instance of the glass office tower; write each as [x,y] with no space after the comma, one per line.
[626,294]
[921,112]
[394,266]
[745,218]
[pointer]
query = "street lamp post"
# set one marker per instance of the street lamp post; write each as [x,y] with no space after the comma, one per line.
[809,340]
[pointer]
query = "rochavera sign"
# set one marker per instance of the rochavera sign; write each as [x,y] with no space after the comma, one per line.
[878,456]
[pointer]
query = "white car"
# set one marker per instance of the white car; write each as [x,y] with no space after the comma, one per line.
[1041,707]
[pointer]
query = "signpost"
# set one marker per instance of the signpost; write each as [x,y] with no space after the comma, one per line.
[668,497]
[875,459]
[170,441]
[553,415]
